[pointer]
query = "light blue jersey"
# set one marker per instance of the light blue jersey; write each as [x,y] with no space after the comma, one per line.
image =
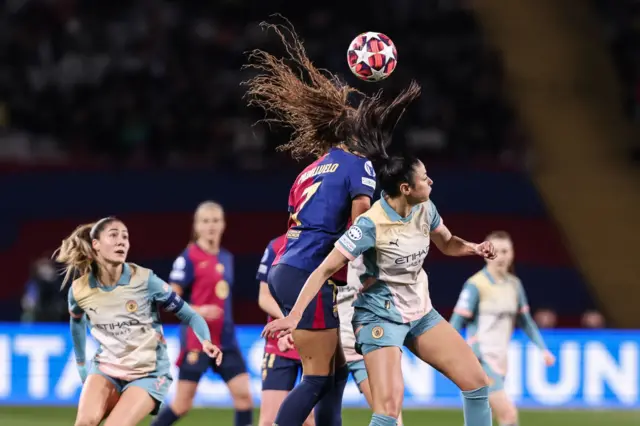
[393,248]
[125,321]
[491,308]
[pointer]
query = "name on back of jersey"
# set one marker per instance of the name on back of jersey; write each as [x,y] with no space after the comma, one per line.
[318,170]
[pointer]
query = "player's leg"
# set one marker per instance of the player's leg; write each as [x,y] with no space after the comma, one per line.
[233,371]
[193,365]
[316,339]
[437,343]
[139,398]
[279,376]
[359,372]
[504,410]
[380,343]
[328,410]
[99,396]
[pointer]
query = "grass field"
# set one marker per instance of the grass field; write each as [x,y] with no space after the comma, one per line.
[30,416]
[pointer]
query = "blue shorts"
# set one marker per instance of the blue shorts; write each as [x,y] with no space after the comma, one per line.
[496,380]
[280,373]
[194,364]
[358,371]
[285,284]
[373,332]
[157,386]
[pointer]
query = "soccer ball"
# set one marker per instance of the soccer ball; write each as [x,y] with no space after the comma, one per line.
[372,56]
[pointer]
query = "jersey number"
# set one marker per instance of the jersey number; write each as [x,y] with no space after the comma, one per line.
[306,195]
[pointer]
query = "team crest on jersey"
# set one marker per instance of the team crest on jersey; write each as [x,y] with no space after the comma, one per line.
[131,306]
[192,357]
[377,332]
[355,233]
[222,289]
[425,229]
[220,268]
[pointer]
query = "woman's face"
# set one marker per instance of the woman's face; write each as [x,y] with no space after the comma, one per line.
[420,191]
[112,244]
[504,255]
[209,224]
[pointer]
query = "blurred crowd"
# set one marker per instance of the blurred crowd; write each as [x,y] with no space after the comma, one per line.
[158,81]
[621,29]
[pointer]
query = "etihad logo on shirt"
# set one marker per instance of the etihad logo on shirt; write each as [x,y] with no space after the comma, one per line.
[319,170]
[413,258]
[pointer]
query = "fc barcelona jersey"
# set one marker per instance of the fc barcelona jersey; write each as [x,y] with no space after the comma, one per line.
[320,206]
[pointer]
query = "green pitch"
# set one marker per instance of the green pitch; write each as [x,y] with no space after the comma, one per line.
[31,416]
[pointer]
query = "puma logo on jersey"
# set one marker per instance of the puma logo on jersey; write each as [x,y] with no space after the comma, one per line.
[94,310]
[394,243]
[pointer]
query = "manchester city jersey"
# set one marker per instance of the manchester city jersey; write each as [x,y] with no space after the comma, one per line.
[393,249]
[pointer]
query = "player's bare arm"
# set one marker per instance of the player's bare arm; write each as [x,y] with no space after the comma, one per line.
[331,264]
[359,205]
[267,303]
[452,245]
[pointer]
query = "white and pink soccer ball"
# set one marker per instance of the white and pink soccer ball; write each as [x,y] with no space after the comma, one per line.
[372,56]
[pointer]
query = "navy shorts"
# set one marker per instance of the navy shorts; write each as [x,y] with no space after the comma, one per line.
[280,373]
[193,364]
[286,282]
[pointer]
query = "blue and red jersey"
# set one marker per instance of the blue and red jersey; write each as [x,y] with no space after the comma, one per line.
[320,207]
[206,279]
[271,344]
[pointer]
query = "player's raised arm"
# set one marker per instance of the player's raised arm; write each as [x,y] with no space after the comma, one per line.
[170,301]
[78,328]
[466,307]
[452,245]
[359,238]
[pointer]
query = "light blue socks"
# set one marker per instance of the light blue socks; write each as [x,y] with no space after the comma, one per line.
[475,404]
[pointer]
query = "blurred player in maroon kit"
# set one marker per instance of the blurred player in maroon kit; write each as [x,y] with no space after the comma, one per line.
[203,274]
[281,364]
[333,190]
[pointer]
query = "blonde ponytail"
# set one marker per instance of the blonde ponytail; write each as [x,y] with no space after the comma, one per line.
[76,253]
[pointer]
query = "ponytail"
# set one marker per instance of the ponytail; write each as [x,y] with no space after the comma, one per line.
[76,253]
[374,123]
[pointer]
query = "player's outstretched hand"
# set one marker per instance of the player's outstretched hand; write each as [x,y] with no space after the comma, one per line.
[82,371]
[285,343]
[549,358]
[280,327]
[486,250]
[213,351]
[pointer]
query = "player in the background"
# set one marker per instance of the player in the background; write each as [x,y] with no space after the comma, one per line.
[281,363]
[203,274]
[333,190]
[490,303]
[129,376]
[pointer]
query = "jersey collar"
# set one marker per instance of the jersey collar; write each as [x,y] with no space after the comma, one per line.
[392,214]
[125,278]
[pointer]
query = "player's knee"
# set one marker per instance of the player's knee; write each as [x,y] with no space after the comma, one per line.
[391,407]
[181,406]
[88,419]
[242,400]
[476,379]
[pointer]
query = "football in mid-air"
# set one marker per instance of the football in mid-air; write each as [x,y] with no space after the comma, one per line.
[372,56]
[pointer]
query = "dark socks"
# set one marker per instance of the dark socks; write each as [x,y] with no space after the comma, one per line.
[244,418]
[297,406]
[166,417]
[328,411]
